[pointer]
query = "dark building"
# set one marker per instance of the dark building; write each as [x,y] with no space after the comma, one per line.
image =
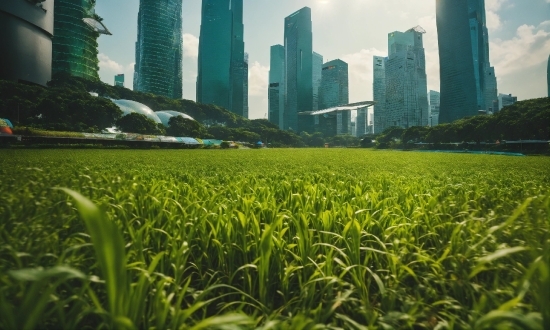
[76,30]
[221,62]
[298,70]
[468,82]
[159,48]
[26,31]
[276,85]
[548,76]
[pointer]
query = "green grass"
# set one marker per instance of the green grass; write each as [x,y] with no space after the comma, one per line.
[273,239]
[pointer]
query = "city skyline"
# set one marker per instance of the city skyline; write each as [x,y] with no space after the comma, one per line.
[518,34]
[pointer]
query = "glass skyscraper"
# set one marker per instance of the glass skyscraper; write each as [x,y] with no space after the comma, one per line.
[245,86]
[119,80]
[468,82]
[276,93]
[548,75]
[379,93]
[158,68]
[76,29]
[406,82]
[221,62]
[317,62]
[298,67]
[435,99]
[334,91]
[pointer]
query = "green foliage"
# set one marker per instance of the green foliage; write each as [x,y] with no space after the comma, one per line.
[273,239]
[183,127]
[138,123]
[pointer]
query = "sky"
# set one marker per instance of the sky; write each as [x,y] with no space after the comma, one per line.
[351,30]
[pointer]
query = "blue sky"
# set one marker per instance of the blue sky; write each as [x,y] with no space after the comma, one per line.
[352,30]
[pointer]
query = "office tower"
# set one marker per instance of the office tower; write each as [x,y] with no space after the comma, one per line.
[334,91]
[245,86]
[435,99]
[317,62]
[26,31]
[276,93]
[468,82]
[221,55]
[298,66]
[158,68]
[379,93]
[406,83]
[548,75]
[361,122]
[505,100]
[119,80]
[76,29]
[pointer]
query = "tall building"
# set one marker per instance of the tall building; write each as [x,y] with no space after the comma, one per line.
[334,91]
[435,100]
[158,68]
[548,75]
[119,80]
[76,29]
[245,87]
[317,62]
[361,122]
[505,100]
[468,82]
[406,83]
[298,70]
[221,55]
[26,31]
[276,91]
[379,93]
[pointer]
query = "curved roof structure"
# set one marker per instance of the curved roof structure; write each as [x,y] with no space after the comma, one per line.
[165,116]
[128,107]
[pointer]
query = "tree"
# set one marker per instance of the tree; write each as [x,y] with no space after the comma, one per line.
[138,123]
[180,126]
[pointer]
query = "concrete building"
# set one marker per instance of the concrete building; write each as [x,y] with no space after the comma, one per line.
[468,82]
[505,100]
[276,91]
[298,70]
[435,100]
[159,48]
[26,31]
[221,55]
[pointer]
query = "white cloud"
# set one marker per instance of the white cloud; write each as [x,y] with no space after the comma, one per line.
[528,48]
[105,63]
[190,46]
[258,79]
[108,68]
[360,73]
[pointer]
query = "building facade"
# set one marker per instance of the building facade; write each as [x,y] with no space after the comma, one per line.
[119,80]
[379,93]
[276,91]
[505,100]
[406,83]
[548,75]
[26,32]
[334,91]
[434,98]
[468,82]
[245,87]
[76,30]
[317,62]
[298,70]
[159,48]
[221,62]
[361,122]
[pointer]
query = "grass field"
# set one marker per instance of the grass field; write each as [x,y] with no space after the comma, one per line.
[273,239]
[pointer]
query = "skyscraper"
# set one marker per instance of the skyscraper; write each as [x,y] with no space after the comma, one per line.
[379,93]
[548,75]
[276,93]
[317,62]
[468,82]
[119,80]
[505,100]
[406,82]
[158,68]
[435,100]
[221,55]
[245,86]
[76,29]
[298,66]
[334,91]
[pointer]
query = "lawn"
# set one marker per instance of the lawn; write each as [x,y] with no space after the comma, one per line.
[273,239]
